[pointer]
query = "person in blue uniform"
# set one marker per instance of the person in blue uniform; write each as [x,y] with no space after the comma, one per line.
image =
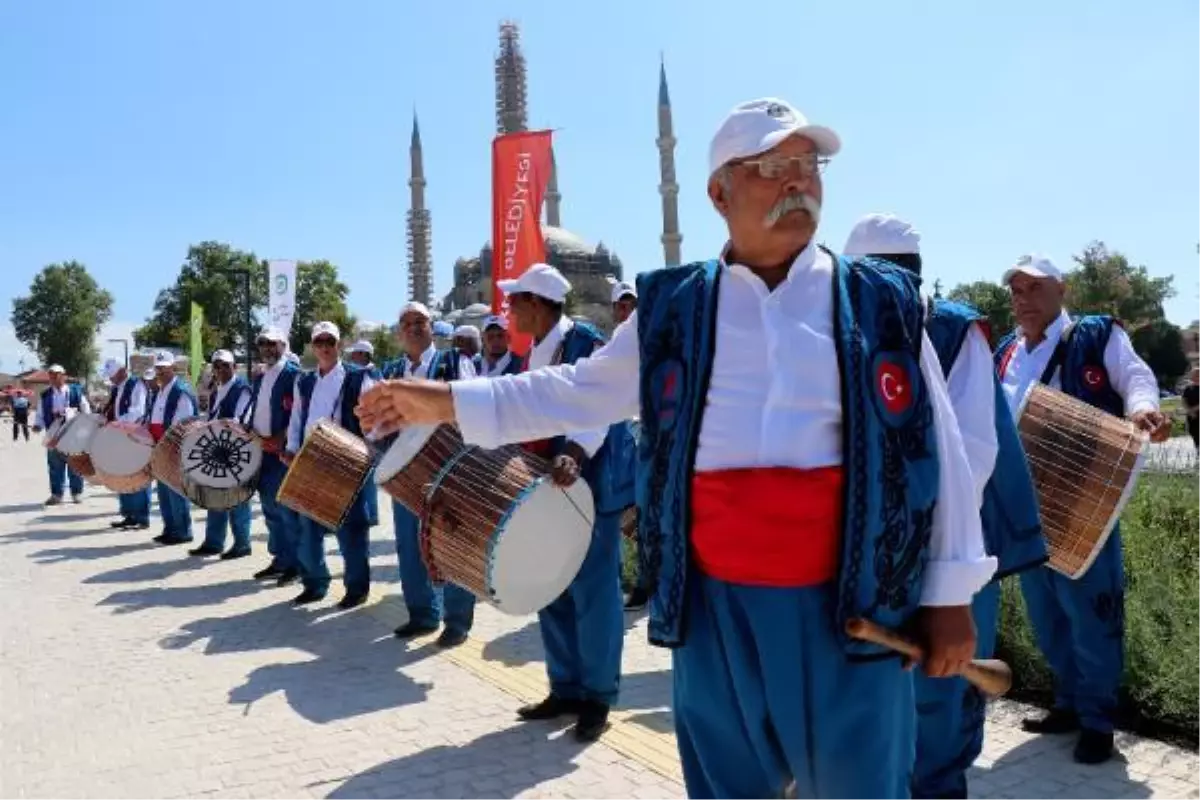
[331,391]
[950,712]
[429,606]
[362,355]
[60,399]
[171,400]
[799,465]
[229,401]
[498,357]
[20,412]
[468,341]
[127,403]
[1079,624]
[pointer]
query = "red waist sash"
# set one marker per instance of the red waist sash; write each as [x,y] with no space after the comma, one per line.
[542,447]
[773,526]
[157,430]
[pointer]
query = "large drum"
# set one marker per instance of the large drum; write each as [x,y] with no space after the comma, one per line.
[81,465]
[56,427]
[326,475]
[75,437]
[1085,464]
[492,520]
[120,455]
[220,461]
[167,462]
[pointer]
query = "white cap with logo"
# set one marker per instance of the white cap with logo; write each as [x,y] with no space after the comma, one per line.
[470,331]
[623,289]
[223,357]
[164,359]
[540,279]
[757,126]
[496,321]
[273,334]
[111,368]
[414,307]
[1034,265]
[325,329]
[362,346]
[883,235]
[55,368]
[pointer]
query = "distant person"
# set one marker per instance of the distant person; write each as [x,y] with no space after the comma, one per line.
[361,354]
[1191,404]
[468,341]
[20,410]
[61,399]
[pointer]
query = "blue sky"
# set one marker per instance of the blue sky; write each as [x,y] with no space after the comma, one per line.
[129,129]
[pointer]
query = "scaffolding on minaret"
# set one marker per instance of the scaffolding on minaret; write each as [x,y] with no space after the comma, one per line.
[668,187]
[511,112]
[420,250]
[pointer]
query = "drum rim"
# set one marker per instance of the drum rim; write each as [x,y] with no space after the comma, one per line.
[221,423]
[383,471]
[96,419]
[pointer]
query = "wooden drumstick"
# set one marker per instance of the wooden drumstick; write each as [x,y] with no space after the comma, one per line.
[991,676]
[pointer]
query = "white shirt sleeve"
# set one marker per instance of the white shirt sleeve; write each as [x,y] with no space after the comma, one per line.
[570,398]
[294,433]
[186,409]
[38,422]
[243,403]
[959,566]
[137,404]
[1131,377]
[466,368]
[972,389]
[86,408]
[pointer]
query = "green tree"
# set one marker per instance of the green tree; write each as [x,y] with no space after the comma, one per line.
[320,297]
[991,300]
[385,344]
[1104,282]
[1160,344]
[61,316]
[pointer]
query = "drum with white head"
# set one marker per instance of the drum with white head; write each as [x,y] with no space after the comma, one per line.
[120,454]
[220,461]
[76,435]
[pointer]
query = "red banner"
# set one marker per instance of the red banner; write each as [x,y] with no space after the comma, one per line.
[520,172]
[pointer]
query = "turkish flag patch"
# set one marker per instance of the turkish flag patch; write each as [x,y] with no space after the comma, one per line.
[894,386]
[1094,378]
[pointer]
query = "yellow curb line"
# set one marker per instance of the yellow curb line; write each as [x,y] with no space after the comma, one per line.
[654,750]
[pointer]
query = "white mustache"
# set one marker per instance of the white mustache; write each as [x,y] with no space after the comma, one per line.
[790,203]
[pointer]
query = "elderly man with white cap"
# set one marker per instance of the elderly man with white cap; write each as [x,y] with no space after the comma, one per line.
[469,342]
[799,466]
[171,400]
[127,403]
[269,413]
[950,712]
[60,399]
[624,300]
[498,358]
[361,353]
[428,605]
[230,401]
[1078,623]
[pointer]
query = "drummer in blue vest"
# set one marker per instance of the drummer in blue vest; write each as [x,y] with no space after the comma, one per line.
[171,400]
[498,358]
[1079,624]
[331,391]
[59,397]
[799,466]
[127,403]
[229,401]
[950,712]
[428,605]
[269,414]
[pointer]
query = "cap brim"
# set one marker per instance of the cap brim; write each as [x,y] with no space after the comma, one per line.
[1032,272]
[509,286]
[828,143]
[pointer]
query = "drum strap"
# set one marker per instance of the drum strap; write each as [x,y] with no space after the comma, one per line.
[1060,353]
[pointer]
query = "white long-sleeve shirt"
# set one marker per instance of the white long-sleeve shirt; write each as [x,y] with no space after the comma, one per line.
[972,390]
[184,410]
[466,369]
[137,402]
[773,400]
[325,403]
[59,402]
[222,392]
[542,355]
[1127,373]
[262,406]
[491,370]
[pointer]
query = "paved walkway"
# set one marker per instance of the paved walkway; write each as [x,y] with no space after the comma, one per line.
[128,669]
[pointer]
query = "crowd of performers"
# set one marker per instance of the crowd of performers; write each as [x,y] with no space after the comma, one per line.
[816,441]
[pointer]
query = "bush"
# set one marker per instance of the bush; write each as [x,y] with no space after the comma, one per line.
[1161,689]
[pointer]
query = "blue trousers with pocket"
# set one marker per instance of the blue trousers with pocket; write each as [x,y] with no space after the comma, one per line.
[236,519]
[428,605]
[283,524]
[176,511]
[353,541]
[60,474]
[135,505]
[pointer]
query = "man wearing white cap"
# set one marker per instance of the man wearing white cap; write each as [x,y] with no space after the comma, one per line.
[361,353]
[127,403]
[624,300]
[230,401]
[498,359]
[1078,624]
[799,466]
[950,712]
[331,391]
[171,400]
[468,341]
[60,399]
[428,606]
[269,414]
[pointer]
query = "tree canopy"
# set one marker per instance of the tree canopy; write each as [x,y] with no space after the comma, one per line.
[61,315]
[989,299]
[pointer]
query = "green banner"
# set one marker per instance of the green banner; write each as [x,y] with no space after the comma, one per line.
[196,353]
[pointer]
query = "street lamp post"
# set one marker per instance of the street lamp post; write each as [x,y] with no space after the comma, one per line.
[125,344]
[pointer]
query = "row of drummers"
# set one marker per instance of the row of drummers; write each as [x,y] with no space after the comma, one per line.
[480,518]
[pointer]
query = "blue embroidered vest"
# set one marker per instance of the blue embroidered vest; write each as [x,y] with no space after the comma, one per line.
[1082,372]
[74,399]
[282,393]
[1012,527]
[227,409]
[178,389]
[444,366]
[611,472]
[120,398]
[889,453]
[514,366]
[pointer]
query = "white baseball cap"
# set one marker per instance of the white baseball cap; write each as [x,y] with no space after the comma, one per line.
[272,334]
[362,346]
[623,289]
[164,359]
[443,329]
[55,368]
[111,367]
[758,125]
[1035,265]
[148,375]
[470,331]
[540,279]
[884,235]
[414,307]
[325,329]
[496,321]
[223,356]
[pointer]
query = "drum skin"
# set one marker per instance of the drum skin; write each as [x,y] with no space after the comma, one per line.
[121,454]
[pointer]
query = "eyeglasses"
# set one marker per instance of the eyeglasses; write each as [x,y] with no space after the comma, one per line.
[776,166]
[323,342]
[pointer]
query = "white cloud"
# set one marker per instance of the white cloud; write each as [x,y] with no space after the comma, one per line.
[12,352]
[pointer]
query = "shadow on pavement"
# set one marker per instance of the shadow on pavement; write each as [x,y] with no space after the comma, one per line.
[132,600]
[22,508]
[524,645]
[57,555]
[500,764]
[48,535]
[1057,764]
[47,518]
[155,570]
